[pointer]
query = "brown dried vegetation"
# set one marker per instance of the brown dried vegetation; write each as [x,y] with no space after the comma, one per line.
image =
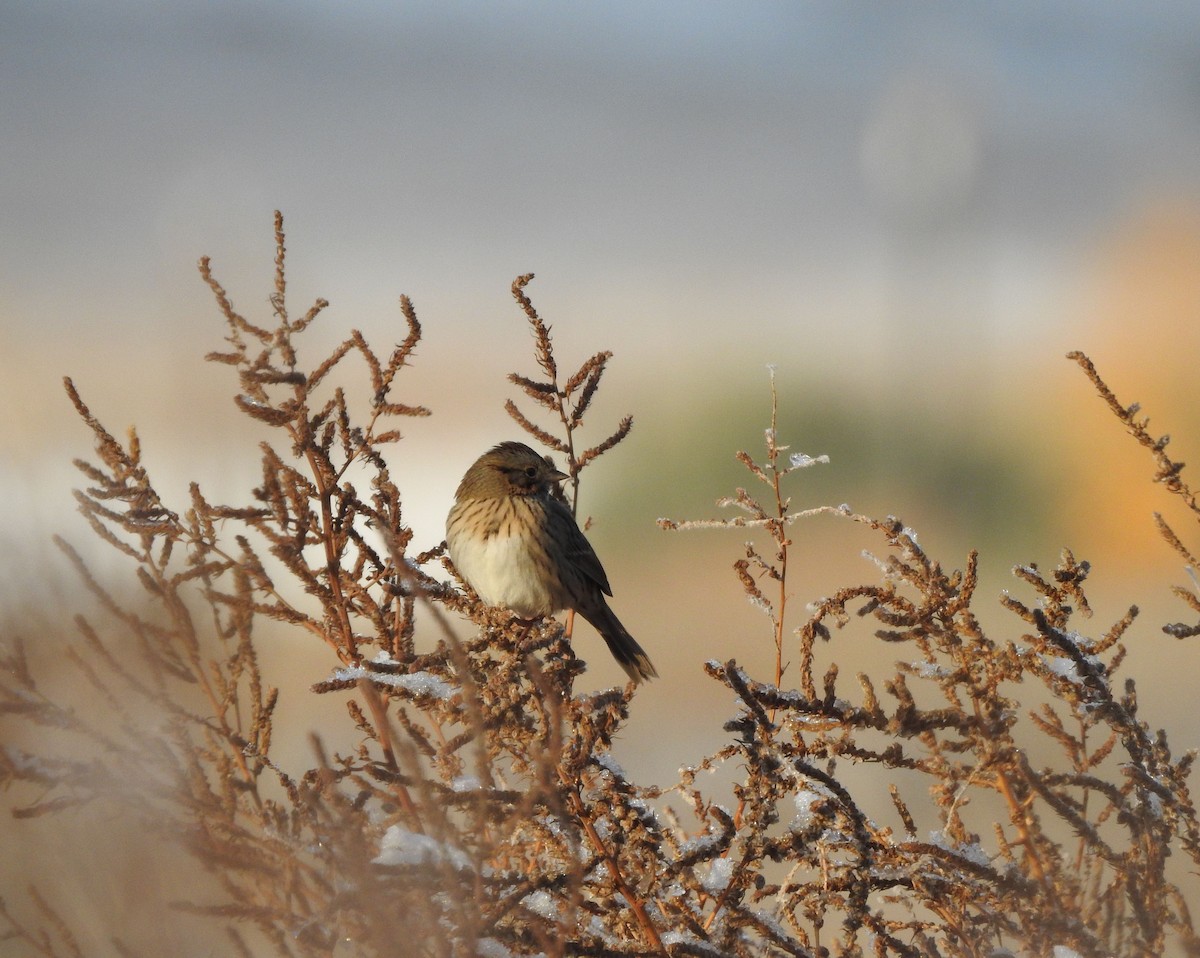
[481,812]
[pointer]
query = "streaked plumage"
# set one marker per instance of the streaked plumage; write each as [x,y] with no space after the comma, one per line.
[518,546]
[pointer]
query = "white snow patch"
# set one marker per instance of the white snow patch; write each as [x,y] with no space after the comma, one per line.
[1064,668]
[870,556]
[402,847]
[720,872]
[418,683]
[762,605]
[466,783]
[1081,642]
[540,903]
[698,846]
[972,852]
[805,802]
[1067,668]
[975,854]
[609,764]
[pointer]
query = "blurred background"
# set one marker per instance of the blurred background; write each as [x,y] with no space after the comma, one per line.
[914,211]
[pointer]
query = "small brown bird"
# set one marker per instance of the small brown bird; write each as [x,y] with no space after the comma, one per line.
[518,546]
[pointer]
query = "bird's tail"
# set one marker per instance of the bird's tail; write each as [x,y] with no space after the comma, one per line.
[623,646]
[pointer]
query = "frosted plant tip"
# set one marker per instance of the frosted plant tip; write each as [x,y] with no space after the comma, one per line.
[800,461]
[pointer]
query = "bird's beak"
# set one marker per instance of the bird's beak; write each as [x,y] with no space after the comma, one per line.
[556,475]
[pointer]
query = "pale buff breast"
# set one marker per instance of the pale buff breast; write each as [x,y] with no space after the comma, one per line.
[505,568]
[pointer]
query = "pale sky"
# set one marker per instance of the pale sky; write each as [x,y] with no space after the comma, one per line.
[775,152]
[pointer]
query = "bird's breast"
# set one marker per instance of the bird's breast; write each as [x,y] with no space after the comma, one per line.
[497,546]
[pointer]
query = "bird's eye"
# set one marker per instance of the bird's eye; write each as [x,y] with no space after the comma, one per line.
[531,472]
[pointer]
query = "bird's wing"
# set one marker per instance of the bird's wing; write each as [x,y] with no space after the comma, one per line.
[579,551]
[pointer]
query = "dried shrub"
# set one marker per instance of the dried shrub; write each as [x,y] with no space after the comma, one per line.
[480,811]
[1029,857]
